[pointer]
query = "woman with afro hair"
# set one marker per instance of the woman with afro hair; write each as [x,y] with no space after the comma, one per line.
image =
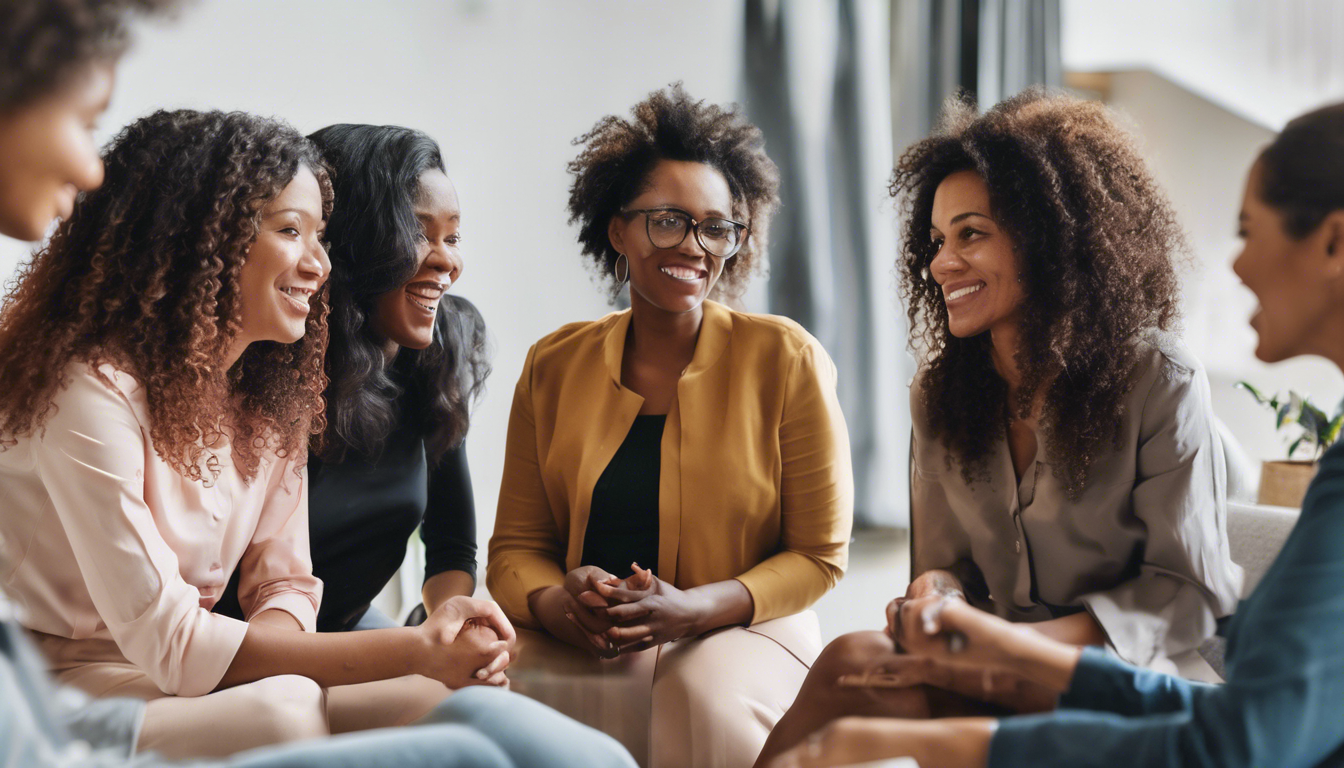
[1067,473]
[677,487]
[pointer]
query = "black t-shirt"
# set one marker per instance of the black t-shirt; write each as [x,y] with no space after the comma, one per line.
[623,517]
[362,512]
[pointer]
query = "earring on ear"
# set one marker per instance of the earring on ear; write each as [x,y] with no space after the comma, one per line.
[621,261]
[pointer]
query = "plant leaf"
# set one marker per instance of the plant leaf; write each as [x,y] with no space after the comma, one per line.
[1332,434]
[1315,421]
[1293,448]
[1284,415]
[1259,398]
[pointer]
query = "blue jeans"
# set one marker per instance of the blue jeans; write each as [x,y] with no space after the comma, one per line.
[477,727]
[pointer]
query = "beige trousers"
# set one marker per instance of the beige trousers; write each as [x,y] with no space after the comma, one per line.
[706,702]
[274,710]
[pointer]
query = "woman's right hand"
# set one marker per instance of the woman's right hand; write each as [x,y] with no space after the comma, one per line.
[927,584]
[457,650]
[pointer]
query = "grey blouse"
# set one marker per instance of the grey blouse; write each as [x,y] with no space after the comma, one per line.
[1144,549]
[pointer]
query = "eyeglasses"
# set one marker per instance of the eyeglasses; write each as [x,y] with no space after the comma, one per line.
[667,228]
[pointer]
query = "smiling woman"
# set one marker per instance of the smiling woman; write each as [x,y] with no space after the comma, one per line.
[1066,471]
[677,472]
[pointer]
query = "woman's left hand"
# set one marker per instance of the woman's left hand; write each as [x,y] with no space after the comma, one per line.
[648,611]
[950,630]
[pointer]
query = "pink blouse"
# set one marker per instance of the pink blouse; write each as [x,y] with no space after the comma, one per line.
[105,540]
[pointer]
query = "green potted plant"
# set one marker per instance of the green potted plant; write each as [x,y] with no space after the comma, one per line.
[1284,483]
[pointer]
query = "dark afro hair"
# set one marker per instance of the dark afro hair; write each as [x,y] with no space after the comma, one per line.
[1098,244]
[618,155]
[42,42]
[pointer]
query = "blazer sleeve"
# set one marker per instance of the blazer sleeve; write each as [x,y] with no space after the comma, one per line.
[276,571]
[816,494]
[91,458]
[1186,579]
[526,550]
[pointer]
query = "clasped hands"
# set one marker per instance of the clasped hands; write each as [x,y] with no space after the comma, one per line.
[628,615]
[467,642]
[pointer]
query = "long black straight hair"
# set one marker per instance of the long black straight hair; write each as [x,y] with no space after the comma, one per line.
[373,245]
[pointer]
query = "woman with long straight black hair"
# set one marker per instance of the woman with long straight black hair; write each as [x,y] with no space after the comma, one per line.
[405,361]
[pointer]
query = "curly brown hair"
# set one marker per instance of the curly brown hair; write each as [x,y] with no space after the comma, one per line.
[618,155]
[1098,243]
[42,42]
[144,275]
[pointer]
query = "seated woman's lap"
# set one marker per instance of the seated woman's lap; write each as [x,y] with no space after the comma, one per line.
[707,701]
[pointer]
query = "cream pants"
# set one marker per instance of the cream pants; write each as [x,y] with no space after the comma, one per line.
[706,702]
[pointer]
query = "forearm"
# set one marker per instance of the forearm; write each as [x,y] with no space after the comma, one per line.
[277,618]
[724,603]
[935,581]
[547,606]
[442,586]
[330,659]
[947,743]
[1078,629]
[1039,658]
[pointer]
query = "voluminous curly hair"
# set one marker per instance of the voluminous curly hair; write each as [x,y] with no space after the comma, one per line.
[144,275]
[618,155]
[374,245]
[1098,244]
[43,42]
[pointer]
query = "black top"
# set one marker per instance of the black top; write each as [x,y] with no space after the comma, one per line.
[362,512]
[623,517]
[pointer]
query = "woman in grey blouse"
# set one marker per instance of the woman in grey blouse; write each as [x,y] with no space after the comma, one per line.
[1065,470]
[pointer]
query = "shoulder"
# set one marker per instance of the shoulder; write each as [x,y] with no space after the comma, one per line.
[575,338]
[82,381]
[1167,372]
[775,332]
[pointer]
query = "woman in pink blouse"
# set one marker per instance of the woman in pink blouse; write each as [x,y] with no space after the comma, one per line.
[161,361]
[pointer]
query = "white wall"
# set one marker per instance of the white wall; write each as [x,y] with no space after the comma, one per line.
[503,86]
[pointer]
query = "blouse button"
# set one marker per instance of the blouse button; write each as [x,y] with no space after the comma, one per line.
[1017,546]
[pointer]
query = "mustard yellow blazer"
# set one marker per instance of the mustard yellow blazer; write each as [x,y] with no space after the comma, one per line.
[755,483]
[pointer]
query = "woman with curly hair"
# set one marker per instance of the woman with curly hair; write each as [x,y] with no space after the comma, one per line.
[677,487]
[1067,472]
[404,363]
[1285,673]
[162,364]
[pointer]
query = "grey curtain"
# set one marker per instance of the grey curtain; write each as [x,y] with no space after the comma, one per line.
[838,88]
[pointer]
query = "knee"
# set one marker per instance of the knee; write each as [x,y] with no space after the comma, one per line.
[852,653]
[293,707]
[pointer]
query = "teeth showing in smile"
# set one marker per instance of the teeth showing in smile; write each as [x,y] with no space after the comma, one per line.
[681,273]
[298,294]
[425,294]
[967,291]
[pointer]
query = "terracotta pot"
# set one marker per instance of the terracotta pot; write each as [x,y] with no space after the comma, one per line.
[1284,483]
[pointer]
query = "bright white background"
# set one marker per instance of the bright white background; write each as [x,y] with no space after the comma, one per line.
[503,86]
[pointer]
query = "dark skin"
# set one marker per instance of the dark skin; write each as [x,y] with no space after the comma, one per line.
[595,610]
[405,315]
[860,674]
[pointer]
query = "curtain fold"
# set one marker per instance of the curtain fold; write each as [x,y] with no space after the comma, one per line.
[839,89]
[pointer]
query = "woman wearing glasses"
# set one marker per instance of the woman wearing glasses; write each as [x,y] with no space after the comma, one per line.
[676,468]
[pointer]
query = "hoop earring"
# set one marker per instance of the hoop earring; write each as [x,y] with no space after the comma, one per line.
[616,268]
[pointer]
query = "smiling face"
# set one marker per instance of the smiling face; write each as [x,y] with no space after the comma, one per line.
[679,279]
[1299,283]
[405,316]
[286,265]
[975,264]
[49,153]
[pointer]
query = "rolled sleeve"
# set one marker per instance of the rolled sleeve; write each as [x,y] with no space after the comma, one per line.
[1186,580]
[816,494]
[526,553]
[276,572]
[91,459]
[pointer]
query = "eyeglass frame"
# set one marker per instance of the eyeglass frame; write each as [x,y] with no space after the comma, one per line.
[743,230]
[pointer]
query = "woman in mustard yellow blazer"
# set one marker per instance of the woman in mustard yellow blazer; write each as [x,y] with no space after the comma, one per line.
[677,487]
